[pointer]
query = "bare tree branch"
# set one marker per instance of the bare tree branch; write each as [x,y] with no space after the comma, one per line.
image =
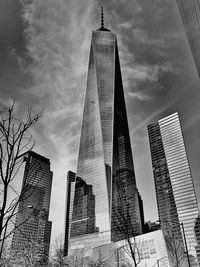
[174,243]
[123,225]
[15,141]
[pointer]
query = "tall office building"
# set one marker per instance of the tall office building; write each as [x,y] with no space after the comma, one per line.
[71,177]
[82,221]
[105,157]
[190,14]
[175,193]
[197,234]
[31,239]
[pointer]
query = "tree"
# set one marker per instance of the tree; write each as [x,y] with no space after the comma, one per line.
[5,260]
[29,253]
[99,262]
[123,223]
[174,243]
[58,248]
[77,259]
[57,257]
[15,141]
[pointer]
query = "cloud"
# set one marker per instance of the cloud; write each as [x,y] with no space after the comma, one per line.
[57,38]
[13,77]
[57,44]
[126,25]
[139,96]
[150,54]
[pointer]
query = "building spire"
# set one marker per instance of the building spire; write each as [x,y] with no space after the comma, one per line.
[102,18]
[102,22]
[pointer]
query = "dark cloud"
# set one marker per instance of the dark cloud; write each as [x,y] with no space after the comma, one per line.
[149,34]
[13,53]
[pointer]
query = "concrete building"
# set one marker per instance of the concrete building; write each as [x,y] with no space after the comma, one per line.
[149,250]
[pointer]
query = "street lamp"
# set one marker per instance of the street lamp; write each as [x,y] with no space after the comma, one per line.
[157,262]
[183,231]
[118,255]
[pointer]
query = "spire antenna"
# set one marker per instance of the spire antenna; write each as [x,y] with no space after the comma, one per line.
[102,18]
[102,22]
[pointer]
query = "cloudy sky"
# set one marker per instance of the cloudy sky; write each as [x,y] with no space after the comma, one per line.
[44,50]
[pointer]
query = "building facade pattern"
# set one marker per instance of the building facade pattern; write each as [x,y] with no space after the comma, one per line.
[71,177]
[190,14]
[175,193]
[197,234]
[32,236]
[105,156]
[83,218]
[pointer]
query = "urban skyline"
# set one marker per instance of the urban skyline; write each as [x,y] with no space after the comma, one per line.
[156,56]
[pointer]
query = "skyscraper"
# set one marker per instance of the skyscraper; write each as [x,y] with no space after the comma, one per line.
[105,157]
[190,14]
[197,234]
[71,177]
[83,220]
[175,193]
[31,239]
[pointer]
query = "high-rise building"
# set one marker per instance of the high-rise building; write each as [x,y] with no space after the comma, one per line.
[175,193]
[190,14]
[83,217]
[141,212]
[105,157]
[82,220]
[71,177]
[197,234]
[31,238]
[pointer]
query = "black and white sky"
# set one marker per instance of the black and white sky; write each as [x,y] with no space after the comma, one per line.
[44,51]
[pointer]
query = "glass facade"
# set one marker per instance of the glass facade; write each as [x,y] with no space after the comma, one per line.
[33,232]
[83,217]
[190,14]
[197,234]
[95,152]
[71,176]
[105,157]
[176,198]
